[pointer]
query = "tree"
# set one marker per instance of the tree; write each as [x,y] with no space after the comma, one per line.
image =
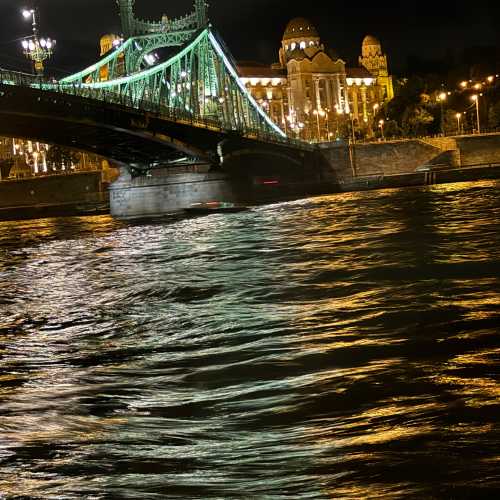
[494,116]
[5,167]
[392,129]
[451,122]
[416,121]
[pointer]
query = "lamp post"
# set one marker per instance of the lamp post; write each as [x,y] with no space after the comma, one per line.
[327,119]
[475,98]
[459,126]
[36,49]
[381,124]
[442,98]
[317,113]
[352,146]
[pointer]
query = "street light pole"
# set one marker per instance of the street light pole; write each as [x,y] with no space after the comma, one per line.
[327,118]
[475,98]
[442,98]
[382,123]
[459,128]
[316,112]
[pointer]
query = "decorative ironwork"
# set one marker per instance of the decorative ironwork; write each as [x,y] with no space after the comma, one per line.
[36,49]
[199,85]
[131,26]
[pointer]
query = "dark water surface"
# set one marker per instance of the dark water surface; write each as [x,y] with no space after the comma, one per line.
[343,347]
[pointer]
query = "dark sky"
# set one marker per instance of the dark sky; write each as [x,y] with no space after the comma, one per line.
[253,28]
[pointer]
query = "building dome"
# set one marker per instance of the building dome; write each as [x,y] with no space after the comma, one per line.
[300,27]
[371,40]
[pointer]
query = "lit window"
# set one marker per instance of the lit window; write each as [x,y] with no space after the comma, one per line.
[293,46]
[302,45]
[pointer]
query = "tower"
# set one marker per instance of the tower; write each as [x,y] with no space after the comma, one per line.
[375,61]
[200,8]
[127,17]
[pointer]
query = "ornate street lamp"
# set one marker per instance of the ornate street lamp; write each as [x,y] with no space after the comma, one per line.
[36,49]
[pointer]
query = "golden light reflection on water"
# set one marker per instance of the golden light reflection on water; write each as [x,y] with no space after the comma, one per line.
[322,348]
[462,186]
[476,392]
[376,436]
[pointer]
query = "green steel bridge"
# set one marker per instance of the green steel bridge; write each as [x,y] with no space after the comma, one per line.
[198,87]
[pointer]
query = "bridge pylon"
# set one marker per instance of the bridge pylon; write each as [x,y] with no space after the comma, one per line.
[127,16]
[200,7]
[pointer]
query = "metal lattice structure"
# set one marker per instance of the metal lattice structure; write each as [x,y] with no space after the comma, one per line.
[132,26]
[141,39]
[198,85]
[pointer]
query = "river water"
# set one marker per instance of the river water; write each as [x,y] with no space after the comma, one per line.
[342,347]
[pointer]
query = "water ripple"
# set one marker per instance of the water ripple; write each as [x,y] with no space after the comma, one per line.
[339,347]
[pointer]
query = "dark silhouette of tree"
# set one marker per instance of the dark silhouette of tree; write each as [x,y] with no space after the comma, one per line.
[5,167]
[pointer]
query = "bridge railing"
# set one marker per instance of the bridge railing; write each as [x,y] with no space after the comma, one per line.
[162,111]
[8,77]
[175,114]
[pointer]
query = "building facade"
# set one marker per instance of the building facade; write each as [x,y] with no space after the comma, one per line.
[312,94]
[23,159]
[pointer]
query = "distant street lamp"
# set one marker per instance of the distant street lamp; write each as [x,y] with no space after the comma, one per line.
[442,98]
[381,124]
[459,117]
[36,49]
[376,107]
[475,98]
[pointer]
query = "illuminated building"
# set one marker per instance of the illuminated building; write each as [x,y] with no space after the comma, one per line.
[375,62]
[32,159]
[311,93]
[107,43]
[269,88]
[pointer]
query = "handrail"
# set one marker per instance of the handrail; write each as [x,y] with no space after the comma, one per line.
[165,112]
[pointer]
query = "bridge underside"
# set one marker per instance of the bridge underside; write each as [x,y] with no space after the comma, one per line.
[246,170]
[122,134]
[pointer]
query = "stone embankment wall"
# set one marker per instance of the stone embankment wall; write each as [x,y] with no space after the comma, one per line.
[400,157]
[85,187]
[479,149]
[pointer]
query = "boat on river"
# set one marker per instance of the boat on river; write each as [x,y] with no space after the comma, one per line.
[215,207]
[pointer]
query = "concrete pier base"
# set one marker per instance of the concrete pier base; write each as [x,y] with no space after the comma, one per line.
[253,176]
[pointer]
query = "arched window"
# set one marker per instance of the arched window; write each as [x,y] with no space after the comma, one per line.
[302,45]
[293,46]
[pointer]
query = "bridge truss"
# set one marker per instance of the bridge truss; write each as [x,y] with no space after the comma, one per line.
[198,85]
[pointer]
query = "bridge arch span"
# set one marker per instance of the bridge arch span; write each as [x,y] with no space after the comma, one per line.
[119,133]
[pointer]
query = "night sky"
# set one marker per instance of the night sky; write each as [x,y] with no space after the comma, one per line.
[253,28]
